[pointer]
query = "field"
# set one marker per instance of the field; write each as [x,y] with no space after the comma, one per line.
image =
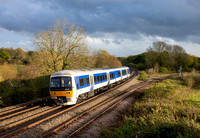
[167,109]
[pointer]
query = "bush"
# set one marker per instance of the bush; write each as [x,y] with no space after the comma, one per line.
[143,76]
[191,79]
[1,102]
[4,55]
[163,70]
[8,72]
[21,84]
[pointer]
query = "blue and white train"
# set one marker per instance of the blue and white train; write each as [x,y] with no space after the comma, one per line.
[69,87]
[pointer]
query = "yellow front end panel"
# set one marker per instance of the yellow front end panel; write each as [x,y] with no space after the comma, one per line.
[61,93]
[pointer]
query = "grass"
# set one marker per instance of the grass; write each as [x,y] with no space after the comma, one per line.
[166,109]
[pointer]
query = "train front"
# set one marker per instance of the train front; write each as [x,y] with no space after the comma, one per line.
[61,90]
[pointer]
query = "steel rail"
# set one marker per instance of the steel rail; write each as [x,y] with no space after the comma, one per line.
[21,106]
[29,118]
[109,108]
[17,113]
[91,109]
[11,110]
[59,113]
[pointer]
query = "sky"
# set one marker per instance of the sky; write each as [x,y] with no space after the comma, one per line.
[121,27]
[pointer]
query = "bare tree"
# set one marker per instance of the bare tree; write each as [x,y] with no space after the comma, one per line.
[81,58]
[61,40]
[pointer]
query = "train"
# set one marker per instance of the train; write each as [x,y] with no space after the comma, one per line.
[69,87]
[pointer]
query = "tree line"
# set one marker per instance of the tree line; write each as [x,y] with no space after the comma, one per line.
[162,57]
[62,46]
[25,75]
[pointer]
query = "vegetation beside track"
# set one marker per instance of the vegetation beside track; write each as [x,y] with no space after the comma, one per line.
[167,109]
[21,84]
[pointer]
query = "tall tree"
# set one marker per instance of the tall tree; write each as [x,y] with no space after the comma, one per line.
[172,57]
[158,55]
[81,58]
[180,57]
[59,42]
[104,60]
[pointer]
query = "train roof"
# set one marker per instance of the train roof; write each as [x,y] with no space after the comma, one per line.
[85,71]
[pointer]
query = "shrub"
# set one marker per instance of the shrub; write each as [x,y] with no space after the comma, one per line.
[163,70]
[1,102]
[21,84]
[191,79]
[143,76]
[4,55]
[8,72]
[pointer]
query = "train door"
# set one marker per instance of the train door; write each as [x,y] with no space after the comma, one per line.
[77,86]
[91,83]
[108,77]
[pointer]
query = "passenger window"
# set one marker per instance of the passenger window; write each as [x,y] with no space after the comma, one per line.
[77,83]
[87,80]
[104,78]
[81,82]
[95,79]
[98,79]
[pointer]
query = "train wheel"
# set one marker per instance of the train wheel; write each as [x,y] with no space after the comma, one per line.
[80,99]
[96,92]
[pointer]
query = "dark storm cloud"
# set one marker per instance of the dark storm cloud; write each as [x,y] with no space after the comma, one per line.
[177,19]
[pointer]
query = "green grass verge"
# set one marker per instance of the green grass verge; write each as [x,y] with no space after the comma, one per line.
[166,109]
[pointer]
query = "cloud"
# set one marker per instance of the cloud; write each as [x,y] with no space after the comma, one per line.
[138,43]
[172,18]
[111,24]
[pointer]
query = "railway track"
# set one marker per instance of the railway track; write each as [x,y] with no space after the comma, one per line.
[21,125]
[21,107]
[96,111]
[36,124]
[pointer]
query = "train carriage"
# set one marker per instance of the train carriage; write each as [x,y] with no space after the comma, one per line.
[69,86]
